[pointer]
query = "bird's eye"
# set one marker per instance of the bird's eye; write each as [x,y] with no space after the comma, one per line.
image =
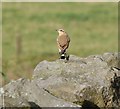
[62,30]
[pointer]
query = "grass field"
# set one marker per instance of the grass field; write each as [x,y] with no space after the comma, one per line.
[92,27]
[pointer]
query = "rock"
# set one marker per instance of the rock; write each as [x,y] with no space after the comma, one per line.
[93,82]
[80,79]
[112,59]
[15,102]
[32,93]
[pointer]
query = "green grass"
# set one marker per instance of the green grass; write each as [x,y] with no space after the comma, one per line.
[92,27]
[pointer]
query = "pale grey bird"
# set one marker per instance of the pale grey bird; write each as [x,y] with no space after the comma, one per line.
[63,41]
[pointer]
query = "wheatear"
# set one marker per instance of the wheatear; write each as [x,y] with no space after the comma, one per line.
[63,41]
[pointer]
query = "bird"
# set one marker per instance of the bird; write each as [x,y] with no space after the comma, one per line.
[63,41]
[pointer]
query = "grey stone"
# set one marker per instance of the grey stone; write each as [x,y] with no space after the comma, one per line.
[32,93]
[93,82]
[79,79]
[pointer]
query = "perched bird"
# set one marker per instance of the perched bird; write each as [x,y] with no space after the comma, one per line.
[63,41]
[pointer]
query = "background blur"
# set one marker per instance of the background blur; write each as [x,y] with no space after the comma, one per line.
[29,36]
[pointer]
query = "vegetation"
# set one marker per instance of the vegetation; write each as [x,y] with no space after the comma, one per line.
[92,27]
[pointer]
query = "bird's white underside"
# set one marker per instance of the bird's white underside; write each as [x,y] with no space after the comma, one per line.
[62,55]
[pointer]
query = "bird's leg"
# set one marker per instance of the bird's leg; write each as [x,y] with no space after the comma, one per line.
[66,56]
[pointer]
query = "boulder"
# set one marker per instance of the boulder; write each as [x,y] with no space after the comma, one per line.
[31,95]
[80,80]
[93,82]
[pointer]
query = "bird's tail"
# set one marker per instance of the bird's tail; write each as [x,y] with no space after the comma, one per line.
[62,56]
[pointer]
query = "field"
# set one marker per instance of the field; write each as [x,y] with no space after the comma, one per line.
[29,36]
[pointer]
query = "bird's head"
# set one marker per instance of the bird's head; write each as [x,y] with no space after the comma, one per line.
[61,31]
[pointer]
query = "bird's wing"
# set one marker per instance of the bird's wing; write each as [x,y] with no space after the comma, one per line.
[63,41]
